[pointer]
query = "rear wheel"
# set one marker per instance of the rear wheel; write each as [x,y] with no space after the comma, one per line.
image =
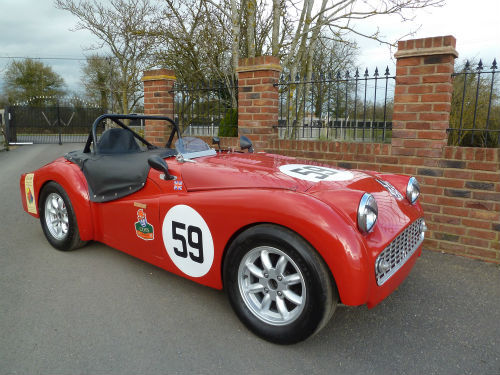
[58,219]
[278,285]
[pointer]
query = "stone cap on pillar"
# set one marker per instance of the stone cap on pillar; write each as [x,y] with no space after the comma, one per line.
[158,75]
[439,45]
[259,63]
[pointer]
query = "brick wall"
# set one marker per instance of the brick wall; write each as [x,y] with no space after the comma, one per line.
[158,100]
[258,99]
[460,186]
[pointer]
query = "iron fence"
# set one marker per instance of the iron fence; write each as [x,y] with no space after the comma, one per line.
[50,120]
[210,110]
[337,107]
[475,107]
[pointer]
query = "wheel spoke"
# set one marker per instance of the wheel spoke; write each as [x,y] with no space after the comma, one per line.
[52,211]
[266,303]
[60,204]
[280,303]
[254,288]
[281,265]
[266,261]
[292,297]
[53,202]
[254,270]
[55,221]
[292,279]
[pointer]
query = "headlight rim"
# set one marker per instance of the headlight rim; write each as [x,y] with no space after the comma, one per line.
[411,187]
[367,200]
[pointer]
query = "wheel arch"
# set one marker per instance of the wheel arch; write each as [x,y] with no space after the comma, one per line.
[74,184]
[249,226]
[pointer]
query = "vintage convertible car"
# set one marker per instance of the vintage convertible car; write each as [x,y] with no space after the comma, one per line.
[287,240]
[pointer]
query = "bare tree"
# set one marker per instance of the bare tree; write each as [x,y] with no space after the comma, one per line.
[101,81]
[124,27]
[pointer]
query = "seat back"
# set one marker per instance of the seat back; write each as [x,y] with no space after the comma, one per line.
[117,141]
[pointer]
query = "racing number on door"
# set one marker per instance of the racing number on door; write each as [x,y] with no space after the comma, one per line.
[188,240]
[194,240]
[319,173]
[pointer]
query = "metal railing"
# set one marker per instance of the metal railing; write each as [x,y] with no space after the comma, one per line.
[337,107]
[210,110]
[475,107]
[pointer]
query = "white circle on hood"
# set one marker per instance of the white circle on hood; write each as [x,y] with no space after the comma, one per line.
[315,173]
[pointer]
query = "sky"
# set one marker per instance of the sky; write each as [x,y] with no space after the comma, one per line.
[35,28]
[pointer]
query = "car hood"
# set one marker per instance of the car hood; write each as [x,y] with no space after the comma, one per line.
[260,170]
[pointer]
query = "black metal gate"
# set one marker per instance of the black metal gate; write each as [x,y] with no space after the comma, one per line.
[49,120]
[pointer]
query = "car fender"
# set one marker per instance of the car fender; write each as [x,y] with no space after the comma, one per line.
[334,237]
[70,177]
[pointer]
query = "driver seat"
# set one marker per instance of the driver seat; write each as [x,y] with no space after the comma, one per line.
[117,141]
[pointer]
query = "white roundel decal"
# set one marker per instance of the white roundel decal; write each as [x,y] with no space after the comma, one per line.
[188,240]
[315,173]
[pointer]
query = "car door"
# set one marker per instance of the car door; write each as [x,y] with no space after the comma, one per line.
[131,224]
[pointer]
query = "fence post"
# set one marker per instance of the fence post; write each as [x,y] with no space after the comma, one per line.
[258,100]
[59,122]
[10,131]
[422,97]
[158,100]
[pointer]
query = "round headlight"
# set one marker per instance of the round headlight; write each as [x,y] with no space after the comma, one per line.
[367,213]
[412,190]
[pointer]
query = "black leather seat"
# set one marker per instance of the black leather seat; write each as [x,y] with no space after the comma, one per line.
[117,141]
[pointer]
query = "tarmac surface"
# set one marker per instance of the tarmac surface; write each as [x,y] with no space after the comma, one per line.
[99,311]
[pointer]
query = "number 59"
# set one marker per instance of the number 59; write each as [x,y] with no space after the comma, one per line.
[194,242]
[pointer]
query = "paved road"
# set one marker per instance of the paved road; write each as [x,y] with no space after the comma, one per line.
[99,311]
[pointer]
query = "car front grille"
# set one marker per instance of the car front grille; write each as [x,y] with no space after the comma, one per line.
[399,251]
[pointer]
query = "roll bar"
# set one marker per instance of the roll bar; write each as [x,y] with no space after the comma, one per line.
[116,118]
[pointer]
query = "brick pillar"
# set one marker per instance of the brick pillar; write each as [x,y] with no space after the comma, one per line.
[258,100]
[422,97]
[158,100]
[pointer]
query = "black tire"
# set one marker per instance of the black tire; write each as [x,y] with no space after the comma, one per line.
[315,297]
[69,237]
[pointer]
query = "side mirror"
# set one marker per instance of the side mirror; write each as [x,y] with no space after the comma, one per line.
[156,162]
[216,141]
[246,144]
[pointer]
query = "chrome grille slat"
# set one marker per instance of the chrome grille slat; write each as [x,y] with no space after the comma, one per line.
[400,250]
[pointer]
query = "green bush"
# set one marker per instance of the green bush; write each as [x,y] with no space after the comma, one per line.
[229,124]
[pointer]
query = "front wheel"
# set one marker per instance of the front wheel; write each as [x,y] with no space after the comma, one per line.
[58,218]
[278,285]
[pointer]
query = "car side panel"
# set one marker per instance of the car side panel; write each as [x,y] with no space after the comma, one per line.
[226,212]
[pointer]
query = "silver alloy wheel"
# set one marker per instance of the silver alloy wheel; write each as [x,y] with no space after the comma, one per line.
[56,216]
[271,285]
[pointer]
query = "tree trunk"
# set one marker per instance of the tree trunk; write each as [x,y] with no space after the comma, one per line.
[275,43]
[251,21]
[235,19]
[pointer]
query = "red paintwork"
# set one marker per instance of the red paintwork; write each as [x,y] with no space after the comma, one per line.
[232,191]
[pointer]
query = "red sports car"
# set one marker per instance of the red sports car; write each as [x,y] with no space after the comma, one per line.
[288,240]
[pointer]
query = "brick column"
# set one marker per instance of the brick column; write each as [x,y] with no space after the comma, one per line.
[258,100]
[422,97]
[158,100]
